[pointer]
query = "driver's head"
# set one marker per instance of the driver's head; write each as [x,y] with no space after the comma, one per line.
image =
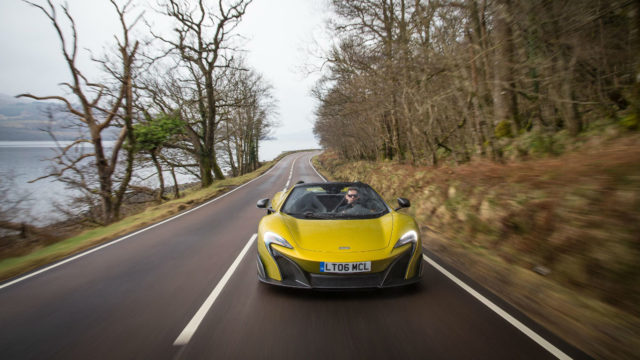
[352,195]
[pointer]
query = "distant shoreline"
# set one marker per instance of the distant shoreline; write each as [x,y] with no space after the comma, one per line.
[44,144]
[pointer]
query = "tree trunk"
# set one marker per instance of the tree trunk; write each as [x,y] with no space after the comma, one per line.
[505,101]
[154,158]
[232,163]
[127,84]
[216,168]
[104,176]
[176,188]
[567,102]
[206,176]
[635,45]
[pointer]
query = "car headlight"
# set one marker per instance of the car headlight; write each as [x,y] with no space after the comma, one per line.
[408,237]
[273,238]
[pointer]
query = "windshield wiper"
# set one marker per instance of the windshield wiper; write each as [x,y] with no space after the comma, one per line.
[359,215]
[311,215]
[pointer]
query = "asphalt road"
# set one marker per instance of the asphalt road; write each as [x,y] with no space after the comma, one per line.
[132,300]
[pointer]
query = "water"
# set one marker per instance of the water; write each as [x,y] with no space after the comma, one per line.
[19,165]
[23,161]
[270,149]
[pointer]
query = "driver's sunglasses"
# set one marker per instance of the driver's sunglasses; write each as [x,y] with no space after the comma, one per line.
[352,195]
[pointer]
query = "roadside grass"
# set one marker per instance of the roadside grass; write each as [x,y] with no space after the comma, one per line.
[46,254]
[555,236]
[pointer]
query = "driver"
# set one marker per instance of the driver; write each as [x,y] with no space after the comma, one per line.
[351,197]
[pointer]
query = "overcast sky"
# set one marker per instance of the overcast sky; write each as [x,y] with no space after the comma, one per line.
[280,40]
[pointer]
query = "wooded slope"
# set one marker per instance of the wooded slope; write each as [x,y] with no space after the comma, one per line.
[430,80]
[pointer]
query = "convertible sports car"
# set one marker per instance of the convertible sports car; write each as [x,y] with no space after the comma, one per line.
[337,235]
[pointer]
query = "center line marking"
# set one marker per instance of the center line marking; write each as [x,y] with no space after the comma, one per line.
[290,174]
[192,326]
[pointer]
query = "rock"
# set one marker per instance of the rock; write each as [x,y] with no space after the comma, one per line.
[485,210]
[542,270]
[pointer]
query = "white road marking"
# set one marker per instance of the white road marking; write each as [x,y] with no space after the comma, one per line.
[186,334]
[192,326]
[495,308]
[25,277]
[286,186]
[314,169]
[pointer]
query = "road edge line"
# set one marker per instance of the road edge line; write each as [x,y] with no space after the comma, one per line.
[192,326]
[314,169]
[496,309]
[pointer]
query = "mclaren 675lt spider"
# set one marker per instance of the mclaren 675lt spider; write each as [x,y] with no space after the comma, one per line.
[337,235]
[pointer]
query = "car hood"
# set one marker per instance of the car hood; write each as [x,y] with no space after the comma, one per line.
[343,235]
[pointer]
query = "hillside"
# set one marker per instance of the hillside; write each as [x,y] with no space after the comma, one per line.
[557,237]
[30,120]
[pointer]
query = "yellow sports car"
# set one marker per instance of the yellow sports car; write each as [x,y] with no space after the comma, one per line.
[337,235]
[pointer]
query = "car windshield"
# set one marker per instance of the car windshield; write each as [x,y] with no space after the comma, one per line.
[334,201]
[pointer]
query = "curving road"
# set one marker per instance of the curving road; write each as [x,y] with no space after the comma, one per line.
[187,289]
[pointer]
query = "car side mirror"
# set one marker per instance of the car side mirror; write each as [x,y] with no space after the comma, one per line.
[263,203]
[404,203]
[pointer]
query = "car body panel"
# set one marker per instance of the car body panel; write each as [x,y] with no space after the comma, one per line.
[276,200]
[314,241]
[356,235]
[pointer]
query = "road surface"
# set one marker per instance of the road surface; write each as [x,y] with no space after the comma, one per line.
[184,289]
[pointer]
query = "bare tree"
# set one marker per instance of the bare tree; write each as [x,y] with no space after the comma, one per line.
[246,124]
[97,107]
[201,44]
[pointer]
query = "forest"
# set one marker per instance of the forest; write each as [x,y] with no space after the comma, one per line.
[433,81]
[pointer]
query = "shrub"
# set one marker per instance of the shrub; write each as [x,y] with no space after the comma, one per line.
[503,129]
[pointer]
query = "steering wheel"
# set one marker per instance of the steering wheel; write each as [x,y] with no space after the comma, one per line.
[342,202]
[314,206]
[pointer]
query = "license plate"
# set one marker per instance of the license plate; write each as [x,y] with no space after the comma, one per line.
[345,268]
